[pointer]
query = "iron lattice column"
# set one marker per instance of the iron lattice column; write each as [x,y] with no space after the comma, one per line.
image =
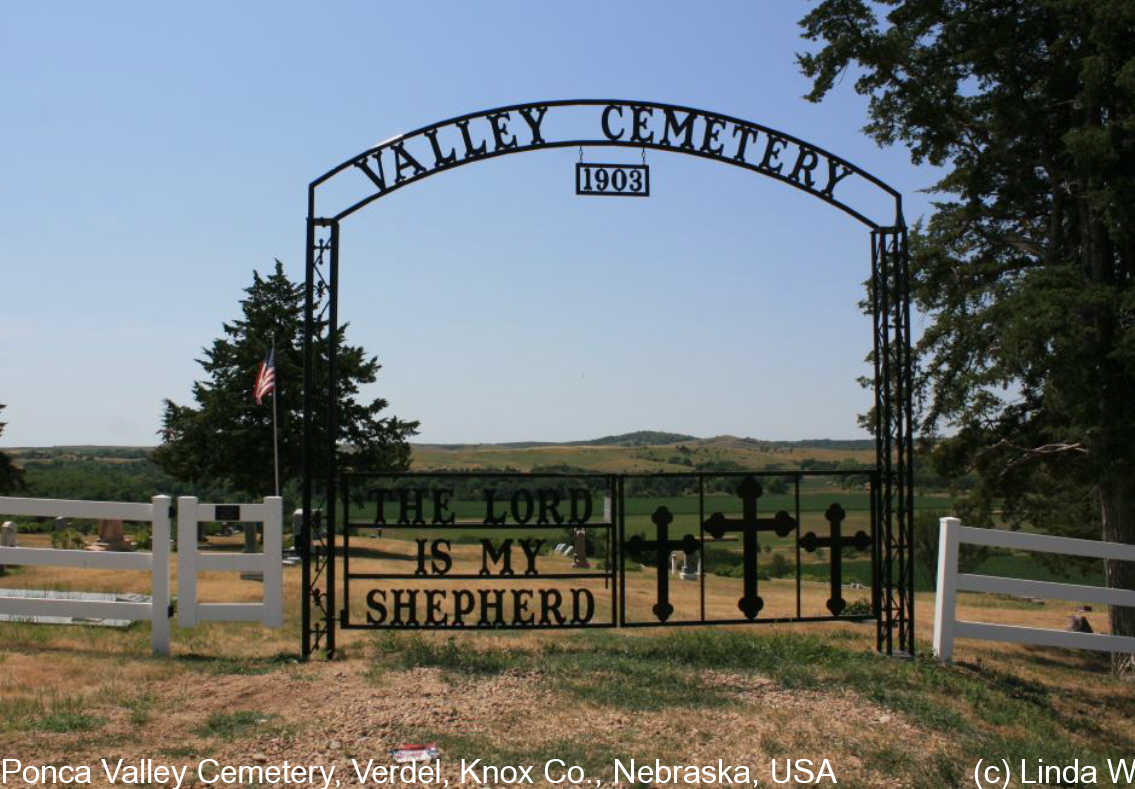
[320,427]
[894,496]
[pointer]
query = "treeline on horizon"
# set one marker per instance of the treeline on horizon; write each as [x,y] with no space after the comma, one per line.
[129,474]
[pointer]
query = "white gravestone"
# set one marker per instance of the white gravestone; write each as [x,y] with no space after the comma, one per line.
[7,539]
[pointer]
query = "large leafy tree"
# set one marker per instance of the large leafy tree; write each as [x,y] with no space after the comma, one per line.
[226,438]
[11,475]
[1025,267]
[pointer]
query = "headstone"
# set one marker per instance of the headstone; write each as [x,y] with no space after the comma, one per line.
[291,556]
[297,526]
[112,537]
[110,530]
[250,547]
[580,539]
[7,539]
[690,571]
[1079,624]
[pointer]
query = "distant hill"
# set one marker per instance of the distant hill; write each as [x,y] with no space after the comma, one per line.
[653,438]
[639,438]
[646,451]
[848,444]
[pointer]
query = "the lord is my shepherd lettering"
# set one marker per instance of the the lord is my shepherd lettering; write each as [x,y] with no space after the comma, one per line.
[522,505]
[472,541]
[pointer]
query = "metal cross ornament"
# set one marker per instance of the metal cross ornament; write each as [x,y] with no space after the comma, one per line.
[836,542]
[749,525]
[662,547]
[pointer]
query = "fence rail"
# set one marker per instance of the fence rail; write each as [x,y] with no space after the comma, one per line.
[157,513]
[190,561]
[947,627]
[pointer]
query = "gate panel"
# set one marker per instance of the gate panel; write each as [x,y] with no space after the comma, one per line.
[478,550]
[787,553]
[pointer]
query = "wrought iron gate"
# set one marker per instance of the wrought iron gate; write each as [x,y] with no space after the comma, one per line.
[391,165]
[466,550]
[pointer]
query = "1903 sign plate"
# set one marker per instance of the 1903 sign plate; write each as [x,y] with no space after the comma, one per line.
[618,180]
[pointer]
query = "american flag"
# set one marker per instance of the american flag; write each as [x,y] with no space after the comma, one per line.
[265,377]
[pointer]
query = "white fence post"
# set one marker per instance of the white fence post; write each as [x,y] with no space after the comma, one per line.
[187,561]
[159,558]
[945,601]
[273,615]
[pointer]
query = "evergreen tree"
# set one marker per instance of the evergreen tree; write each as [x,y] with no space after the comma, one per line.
[1025,268]
[11,476]
[226,438]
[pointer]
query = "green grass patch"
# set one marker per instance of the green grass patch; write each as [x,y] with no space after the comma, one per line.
[234,724]
[68,722]
[140,709]
[1022,564]
[417,651]
[49,713]
[210,664]
[180,752]
[1002,601]
[24,634]
[17,712]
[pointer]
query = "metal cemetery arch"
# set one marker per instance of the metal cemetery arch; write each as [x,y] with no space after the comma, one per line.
[407,158]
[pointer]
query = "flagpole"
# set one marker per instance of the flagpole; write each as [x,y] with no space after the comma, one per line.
[275,443]
[275,434]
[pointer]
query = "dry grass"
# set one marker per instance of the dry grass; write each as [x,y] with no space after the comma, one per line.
[743,694]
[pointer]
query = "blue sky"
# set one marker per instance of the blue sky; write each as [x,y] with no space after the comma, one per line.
[156,154]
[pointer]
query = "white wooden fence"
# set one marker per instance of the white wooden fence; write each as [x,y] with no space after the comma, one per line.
[155,560]
[946,627]
[190,561]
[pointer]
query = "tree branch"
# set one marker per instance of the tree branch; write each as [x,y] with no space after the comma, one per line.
[1035,453]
